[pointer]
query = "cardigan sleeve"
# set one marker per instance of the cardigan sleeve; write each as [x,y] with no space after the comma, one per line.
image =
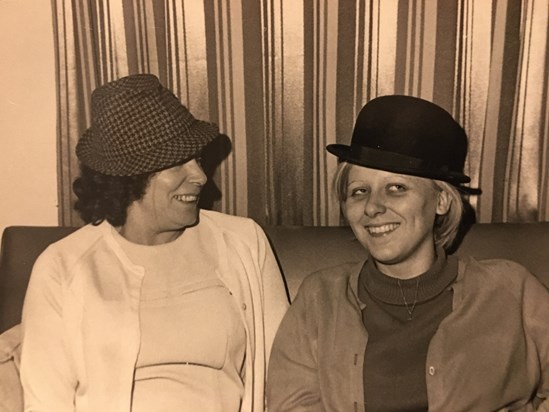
[536,320]
[292,383]
[46,374]
[275,298]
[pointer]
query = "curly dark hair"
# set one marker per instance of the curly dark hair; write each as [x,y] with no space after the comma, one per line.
[107,197]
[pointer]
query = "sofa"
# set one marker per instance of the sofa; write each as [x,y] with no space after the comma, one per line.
[299,250]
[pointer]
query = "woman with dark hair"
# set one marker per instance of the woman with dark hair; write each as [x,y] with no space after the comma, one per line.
[103,197]
[411,328]
[154,305]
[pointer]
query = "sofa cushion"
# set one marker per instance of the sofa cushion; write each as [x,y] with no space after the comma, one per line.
[303,250]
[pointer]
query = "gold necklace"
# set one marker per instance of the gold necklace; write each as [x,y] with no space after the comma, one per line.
[409,308]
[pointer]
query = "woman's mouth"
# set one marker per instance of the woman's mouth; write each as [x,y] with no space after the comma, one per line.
[186,198]
[382,230]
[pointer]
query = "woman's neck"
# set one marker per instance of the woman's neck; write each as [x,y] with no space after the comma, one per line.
[409,267]
[141,235]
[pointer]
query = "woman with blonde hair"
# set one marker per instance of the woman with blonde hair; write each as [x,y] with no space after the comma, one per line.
[412,328]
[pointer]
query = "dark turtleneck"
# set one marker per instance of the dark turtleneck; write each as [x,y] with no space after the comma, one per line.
[396,353]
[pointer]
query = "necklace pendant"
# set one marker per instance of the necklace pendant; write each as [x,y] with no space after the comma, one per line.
[409,308]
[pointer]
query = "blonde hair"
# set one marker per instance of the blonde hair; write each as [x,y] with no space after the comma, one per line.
[445,227]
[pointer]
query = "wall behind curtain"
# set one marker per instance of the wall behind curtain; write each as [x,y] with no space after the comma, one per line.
[283,78]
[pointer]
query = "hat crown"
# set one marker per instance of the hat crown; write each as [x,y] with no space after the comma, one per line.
[412,127]
[407,135]
[120,108]
[139,126]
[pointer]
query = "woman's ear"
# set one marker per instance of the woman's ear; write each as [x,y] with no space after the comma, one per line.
[444,202]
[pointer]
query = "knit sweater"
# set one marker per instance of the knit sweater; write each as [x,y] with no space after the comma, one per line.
[401,317]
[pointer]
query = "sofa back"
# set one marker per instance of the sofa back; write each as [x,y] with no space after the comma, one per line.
[299,250]
[302,250]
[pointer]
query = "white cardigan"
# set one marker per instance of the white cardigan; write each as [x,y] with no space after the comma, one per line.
[80,317]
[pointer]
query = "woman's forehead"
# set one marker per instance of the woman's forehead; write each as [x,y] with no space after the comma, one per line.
[357,172]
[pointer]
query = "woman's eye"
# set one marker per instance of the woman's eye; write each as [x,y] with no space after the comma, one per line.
[396,188]
[359,191]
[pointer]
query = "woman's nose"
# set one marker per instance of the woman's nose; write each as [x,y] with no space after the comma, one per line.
[374,205]
[195,172]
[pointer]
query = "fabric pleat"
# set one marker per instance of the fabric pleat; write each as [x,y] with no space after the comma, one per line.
[284,78]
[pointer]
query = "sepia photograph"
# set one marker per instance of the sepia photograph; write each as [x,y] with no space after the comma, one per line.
[274,205]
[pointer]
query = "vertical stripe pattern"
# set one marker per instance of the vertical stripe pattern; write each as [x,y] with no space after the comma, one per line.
[284,78]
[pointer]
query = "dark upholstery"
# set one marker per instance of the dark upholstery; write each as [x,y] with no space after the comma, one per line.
[300,251]
[20,247]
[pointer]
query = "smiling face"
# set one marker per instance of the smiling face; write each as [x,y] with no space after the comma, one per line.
[170,204]
[393,216]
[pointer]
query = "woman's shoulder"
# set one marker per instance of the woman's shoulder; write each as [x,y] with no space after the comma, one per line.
[498,273]
[333,279]
[82,236]
[74,245]
[501,268]
[238,225]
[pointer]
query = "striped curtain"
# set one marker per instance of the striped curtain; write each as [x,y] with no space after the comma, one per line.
[284,78]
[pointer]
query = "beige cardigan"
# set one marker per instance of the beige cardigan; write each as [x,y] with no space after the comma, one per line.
[80,317]
[491,353]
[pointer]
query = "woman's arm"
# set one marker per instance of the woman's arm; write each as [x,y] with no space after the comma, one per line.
[292,382]
[46,374]
[536,321]
[275,298]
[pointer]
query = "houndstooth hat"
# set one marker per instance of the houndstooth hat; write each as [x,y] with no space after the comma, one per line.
[139,126]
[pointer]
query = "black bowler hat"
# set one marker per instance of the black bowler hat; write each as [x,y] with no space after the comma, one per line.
[408,135]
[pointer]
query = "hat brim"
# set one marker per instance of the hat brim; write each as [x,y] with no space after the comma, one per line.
[171,152]
[401,164]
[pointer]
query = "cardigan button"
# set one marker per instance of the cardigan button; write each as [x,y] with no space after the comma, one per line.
[432,370]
